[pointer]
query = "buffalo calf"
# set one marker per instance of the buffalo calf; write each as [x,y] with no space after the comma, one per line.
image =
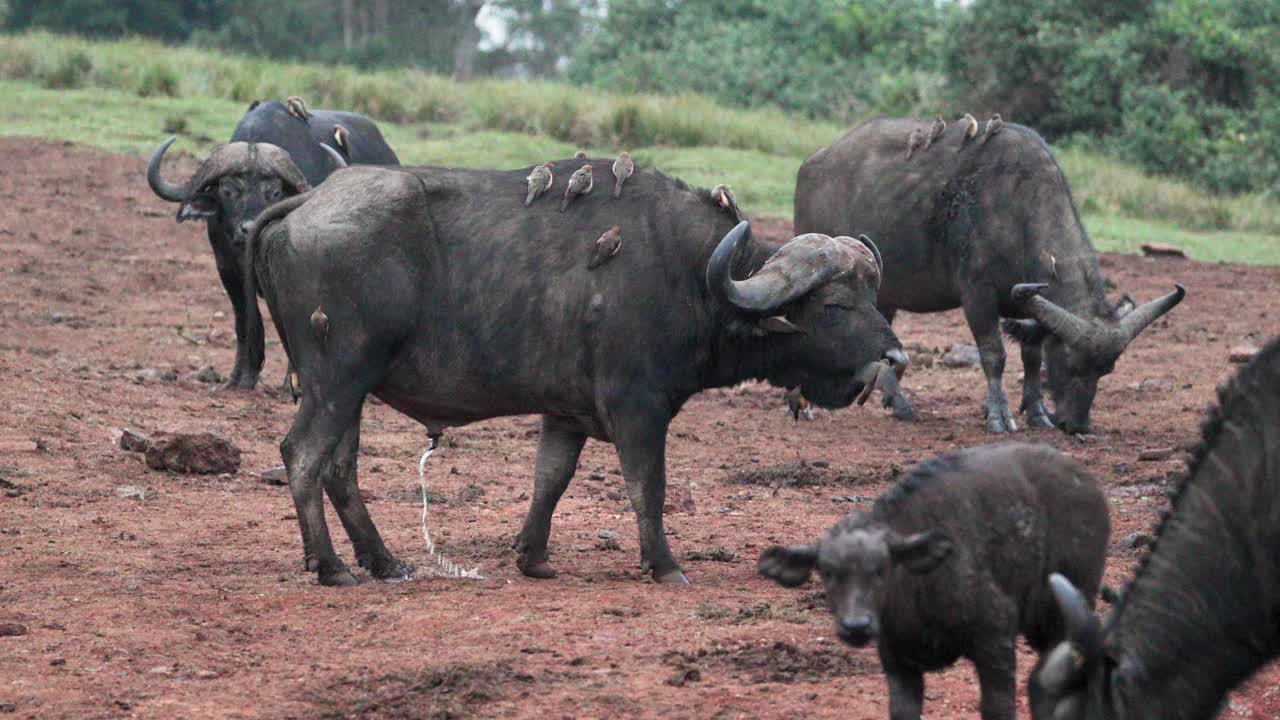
[953,562]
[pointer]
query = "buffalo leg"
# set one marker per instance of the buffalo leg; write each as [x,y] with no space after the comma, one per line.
[906,690]
[642,447]
[309,447]
[250,337]
[341,486]
[1032,395]
[996,663]
[890,391]
[984,321]
[558,450]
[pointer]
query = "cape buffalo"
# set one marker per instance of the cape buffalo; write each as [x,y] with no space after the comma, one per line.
[960,225]
[1201,614]
[452,302]
[272,154]
[951,562]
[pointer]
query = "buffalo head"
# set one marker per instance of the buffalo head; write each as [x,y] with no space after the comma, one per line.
[236,183]
[854,560]
[1079,350]
[815,300]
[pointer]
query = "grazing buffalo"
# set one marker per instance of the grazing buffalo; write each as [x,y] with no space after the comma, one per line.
[452,302]
[961,223]
[1201,614]
[952,562]
[273,154]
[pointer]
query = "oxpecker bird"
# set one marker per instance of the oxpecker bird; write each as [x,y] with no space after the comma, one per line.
[970,126]
[915,141]
[607,245]
[297,108]
[320,325]
[340,136]
[993,126]
[723,196]
[797,405]
[580,155]
[938,127]
[580,183]
[539,180]
[622,169]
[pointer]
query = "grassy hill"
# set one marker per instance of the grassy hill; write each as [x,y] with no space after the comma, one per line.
[127,96]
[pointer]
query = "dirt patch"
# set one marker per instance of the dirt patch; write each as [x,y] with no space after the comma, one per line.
[801,475]
[455,691]
[776,662]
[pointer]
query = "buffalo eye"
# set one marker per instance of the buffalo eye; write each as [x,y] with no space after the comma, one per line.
[833,313]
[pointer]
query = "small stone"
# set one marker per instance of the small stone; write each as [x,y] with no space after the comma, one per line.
[1136,541]
[962,355]
[1242,353]
[58,662]
[275,476]
[1153,454]
[607,535]
[209,376]
[596,475]
[57,317]
[471,493]
[614,495]
[152,376]
[194,453]
[682,677]
[131,492]
[206,674]
[133,441]
[12,630]
[161,670]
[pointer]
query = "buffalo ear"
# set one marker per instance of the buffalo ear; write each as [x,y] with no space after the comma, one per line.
[1026,332]
[779,324]
[200,206]
[1125,306]
[922,552]
[788,566]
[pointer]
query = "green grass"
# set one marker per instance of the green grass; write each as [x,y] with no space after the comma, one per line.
[122,97]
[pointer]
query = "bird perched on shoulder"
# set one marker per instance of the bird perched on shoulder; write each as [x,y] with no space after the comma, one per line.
[340,136]
[994,123]
[580,183]
[622,169]
[320,325]
[797,405]
[723,196]
[938,127]
[970,126]
[915,141]
[1050,263]
[297,108]
[607,245]
[539,181]
[580,155]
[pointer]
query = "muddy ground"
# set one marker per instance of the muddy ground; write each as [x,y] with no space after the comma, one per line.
[191,600]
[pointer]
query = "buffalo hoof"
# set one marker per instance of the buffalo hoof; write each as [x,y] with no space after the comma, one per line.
[338,577]
[540,570]
[1039,419]
[672,577]
[1001,422]
[239,382]
[387,567]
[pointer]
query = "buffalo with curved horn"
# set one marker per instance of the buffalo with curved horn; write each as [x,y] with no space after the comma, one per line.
[273,154]
[452,302]
[990,227]
[1200,615]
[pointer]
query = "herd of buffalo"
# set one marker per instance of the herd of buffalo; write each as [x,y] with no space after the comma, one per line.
[456,296]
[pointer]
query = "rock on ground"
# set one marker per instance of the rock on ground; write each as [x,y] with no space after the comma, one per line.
[961,355]
[192,453]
